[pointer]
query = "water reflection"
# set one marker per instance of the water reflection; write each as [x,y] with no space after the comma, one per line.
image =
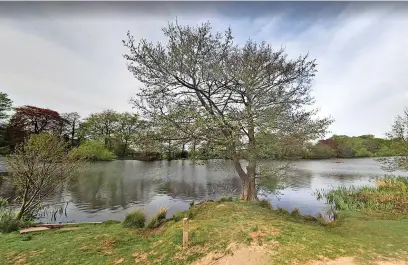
[111,190]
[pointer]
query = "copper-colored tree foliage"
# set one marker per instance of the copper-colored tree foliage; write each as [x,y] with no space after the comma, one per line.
[29,120]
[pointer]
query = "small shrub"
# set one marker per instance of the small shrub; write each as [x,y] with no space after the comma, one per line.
[158,219]
[320,219]
[153,223]
[309,218]
[8,222]
[264,203]
[178,216]
[192,203]
[226,199]
[295,212]
[161,215]
[283,211]
[136,219]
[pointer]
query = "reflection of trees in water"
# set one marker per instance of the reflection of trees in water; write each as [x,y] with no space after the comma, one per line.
[297,178]
[7,190]
[183,189]
[118,184]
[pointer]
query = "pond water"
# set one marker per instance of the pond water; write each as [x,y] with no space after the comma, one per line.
[110,190]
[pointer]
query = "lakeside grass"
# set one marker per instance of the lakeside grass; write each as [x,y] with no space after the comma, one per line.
[387,200]
[214,226]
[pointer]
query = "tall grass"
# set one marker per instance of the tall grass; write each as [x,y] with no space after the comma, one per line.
[389,194]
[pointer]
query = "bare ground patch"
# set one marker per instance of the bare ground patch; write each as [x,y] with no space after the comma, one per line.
[351,261]
[238,255]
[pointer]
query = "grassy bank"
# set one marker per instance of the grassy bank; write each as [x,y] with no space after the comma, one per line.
[214,226]
[387,200]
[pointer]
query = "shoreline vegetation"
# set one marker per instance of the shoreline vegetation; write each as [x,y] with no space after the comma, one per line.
[370,225]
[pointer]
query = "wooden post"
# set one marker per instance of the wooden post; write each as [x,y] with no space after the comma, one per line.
[185,232]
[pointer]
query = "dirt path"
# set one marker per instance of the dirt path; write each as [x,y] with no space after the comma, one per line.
[257,255]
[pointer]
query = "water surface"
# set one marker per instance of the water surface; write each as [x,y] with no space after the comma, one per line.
[109,190]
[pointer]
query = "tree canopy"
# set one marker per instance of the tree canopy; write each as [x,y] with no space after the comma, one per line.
[229,92]
[399,137]
[5,105]
[29,120]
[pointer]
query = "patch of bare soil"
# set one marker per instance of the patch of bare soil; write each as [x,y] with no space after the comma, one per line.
[339,261]
[350,261]
[392,263]
[258,255]
[237,255]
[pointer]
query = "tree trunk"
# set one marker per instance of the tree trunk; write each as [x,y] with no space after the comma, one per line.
[169,151]
[73,135]
[249,190]
[247,179]
[249,186]
[194,148]
[23,203]
[125,148]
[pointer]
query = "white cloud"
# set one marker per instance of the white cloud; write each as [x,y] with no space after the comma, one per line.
[362,67]
[73,62]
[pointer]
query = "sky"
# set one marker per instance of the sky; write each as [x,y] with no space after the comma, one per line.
[68,56]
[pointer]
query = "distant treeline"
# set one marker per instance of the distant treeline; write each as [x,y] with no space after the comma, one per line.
[341,146]
[109,134]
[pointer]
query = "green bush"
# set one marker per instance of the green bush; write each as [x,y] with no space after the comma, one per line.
[295,212]
[136,219]
[363,152]
[92,150]
[178,216]
[264,203]
[8,222]
[226,199]
[158,219]
[283,211]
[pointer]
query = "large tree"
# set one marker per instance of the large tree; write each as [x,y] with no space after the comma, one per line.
[71,124]
[128,126]
[399,137]
[29,120]
[233,92]
[100,126]
[5,105]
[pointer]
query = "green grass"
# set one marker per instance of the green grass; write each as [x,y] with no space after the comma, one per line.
[388,199]
[292,238]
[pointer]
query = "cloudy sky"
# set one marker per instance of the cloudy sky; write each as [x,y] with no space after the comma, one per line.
[68,56]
